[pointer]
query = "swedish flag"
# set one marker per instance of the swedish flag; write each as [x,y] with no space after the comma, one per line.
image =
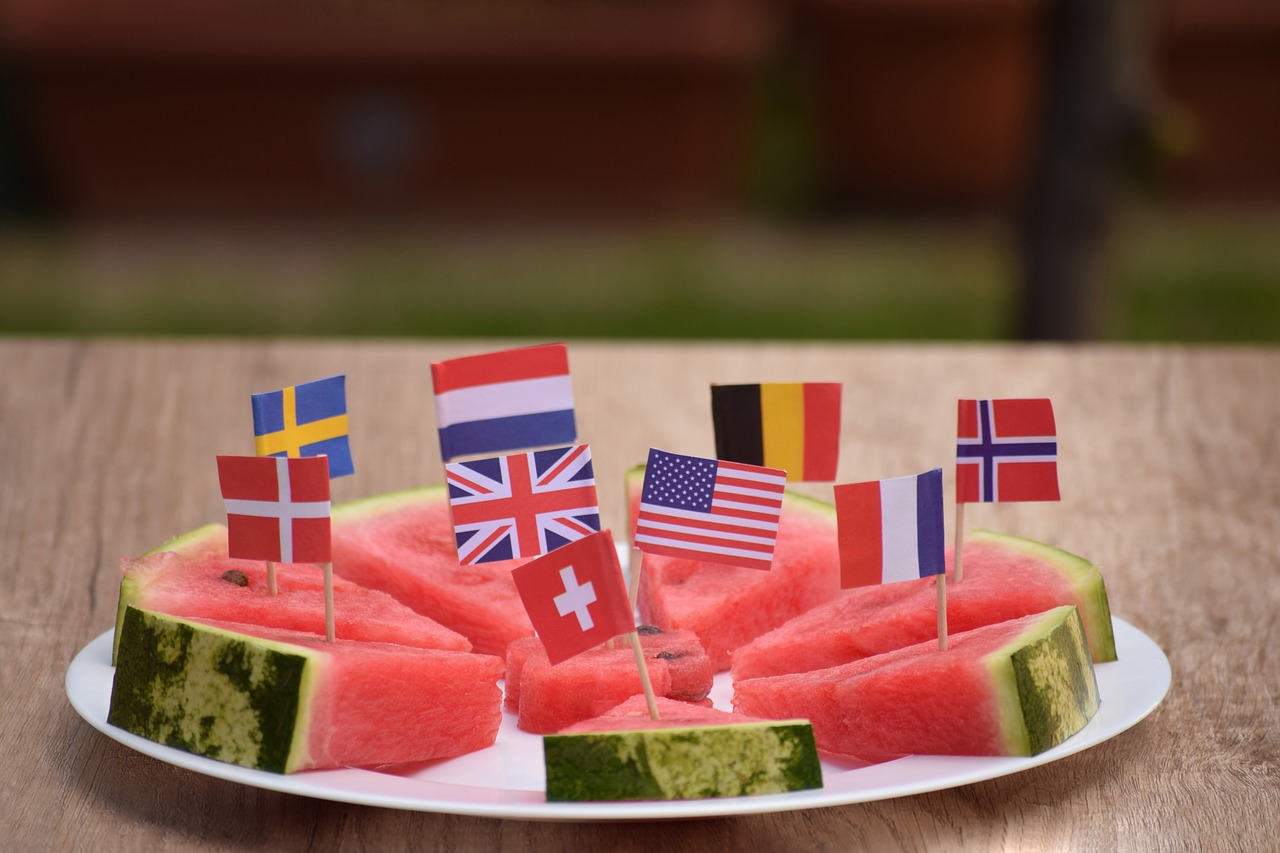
[305,420]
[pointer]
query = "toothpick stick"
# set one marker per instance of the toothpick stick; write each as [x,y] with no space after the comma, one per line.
[328,603]
[633,576]
[634,636]
[271,577]
[941,582]
[957,558]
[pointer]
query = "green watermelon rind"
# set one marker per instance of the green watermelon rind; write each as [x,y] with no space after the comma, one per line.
[130,589]
[212,692]
[1044,683]
[1084,576]
[685,762]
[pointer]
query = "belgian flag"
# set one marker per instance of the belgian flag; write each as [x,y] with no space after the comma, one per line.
[794,426]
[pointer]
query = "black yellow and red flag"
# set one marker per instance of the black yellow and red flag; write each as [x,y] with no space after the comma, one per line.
[794,426]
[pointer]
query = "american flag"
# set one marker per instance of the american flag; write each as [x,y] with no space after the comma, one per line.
[708,509]
[522,505]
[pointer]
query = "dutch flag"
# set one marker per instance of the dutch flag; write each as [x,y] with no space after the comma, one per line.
[503,401]
[890,530]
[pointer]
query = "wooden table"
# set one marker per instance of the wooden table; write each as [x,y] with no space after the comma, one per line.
[1170,470]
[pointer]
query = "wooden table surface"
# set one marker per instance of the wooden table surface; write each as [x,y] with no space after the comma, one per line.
[1170,473]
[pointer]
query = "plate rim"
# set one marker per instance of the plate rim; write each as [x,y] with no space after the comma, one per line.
[1141,677]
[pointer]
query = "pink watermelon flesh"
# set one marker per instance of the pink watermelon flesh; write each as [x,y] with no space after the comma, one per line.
[582,687]
[1005,577]
[916,700]
[633,715]
[403,545]
[380,704]
[196,579]
[727,606]
[687,663]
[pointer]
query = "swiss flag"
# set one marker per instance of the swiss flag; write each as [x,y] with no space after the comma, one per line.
[277,508]
[575,597]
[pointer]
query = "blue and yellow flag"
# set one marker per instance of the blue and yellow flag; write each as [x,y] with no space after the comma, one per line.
[305,420]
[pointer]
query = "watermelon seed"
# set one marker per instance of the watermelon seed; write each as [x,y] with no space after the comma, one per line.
[236,577]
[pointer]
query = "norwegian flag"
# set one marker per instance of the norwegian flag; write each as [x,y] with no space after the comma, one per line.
[575,597]
[710,509]
[522,505]
[1006,450]
[277,508]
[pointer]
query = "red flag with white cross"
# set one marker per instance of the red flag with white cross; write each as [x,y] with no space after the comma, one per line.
[277,508]
[575,596]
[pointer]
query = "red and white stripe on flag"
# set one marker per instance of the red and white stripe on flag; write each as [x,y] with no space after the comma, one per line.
[890,530]
[575,596]
[277,508]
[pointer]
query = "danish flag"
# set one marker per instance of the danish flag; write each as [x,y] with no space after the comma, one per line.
[277,508]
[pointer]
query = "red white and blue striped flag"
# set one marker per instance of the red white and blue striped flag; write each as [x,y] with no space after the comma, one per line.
[277,508]
[504,401]
[709,509]
[1006,450]
[890,530]
[522,505]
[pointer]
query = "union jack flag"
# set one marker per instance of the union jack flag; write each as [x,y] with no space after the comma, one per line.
[522,505]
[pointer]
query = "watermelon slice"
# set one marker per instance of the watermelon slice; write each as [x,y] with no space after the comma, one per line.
[283,701]
[403,545]
[727,606]
[693,752]
[1005,577]
[555,697]
[192,576]
[634,714]
[1015,688]
[687,663]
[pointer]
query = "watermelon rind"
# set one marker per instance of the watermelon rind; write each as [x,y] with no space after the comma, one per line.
[1045,683]
[212,692]
[682,763]
[1082,574]
[189,542]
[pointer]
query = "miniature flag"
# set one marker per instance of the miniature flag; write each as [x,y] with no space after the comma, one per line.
[708,509]
[522,505]
[1006,450]
[575,596]
[501,401]
[890,530]
[277,508]
[305,420]
[794,426]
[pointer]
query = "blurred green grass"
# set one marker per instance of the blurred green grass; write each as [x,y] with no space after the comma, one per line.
[1189,275]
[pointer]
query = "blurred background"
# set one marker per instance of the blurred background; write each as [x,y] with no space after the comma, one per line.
[835,169]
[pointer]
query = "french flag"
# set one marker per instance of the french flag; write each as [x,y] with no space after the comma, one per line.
[890,530]
[503,401]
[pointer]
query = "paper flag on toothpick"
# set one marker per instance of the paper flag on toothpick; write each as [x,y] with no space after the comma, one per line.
[502,401]
[305,420]
[575,596]
[522,505]
[708,509]
[277,508]
[794,426]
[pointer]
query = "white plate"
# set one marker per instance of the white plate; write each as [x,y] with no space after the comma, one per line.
[507,779]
